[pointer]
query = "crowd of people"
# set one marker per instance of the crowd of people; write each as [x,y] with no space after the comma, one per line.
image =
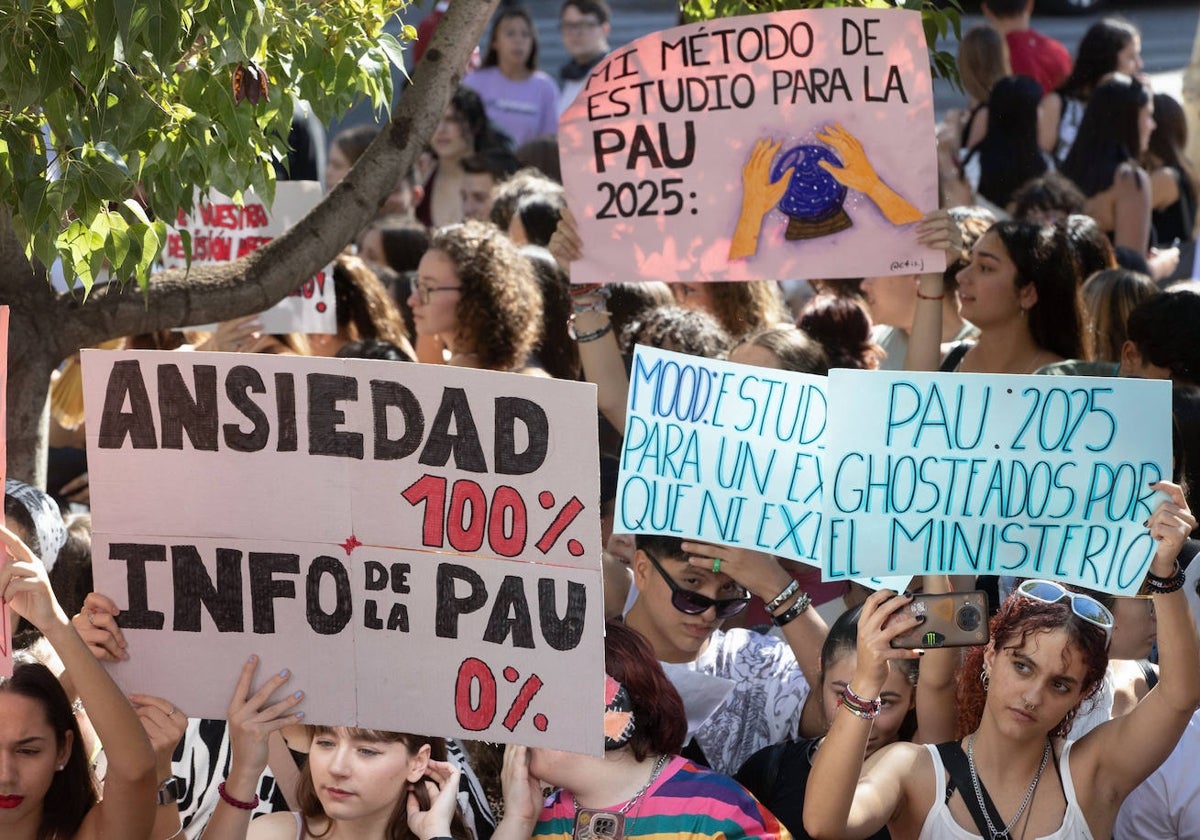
[744,696]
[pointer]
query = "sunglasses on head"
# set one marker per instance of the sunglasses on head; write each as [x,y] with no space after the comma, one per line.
[693,603]
[1084,606]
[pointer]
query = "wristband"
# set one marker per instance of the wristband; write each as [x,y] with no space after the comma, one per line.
[584,338]
[788,591]
[1166,585]
[794,610]
[169,790]
[237,803]
[859,706]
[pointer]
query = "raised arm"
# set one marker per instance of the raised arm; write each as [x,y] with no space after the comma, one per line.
[127,809]
[803,628]
[253,717]
[1147,735]
[599,352]
[938,231]
[837,803]
[937,701]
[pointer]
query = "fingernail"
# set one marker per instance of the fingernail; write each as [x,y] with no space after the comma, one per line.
[299,715]
[907,594]
[284,673]
[298,694]
[1146,524]
[920,652]
[252,658]
[920,619]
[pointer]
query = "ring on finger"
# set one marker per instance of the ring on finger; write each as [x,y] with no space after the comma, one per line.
[91,618]
[716,565]
[172,712]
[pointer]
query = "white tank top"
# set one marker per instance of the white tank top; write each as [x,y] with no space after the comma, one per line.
[940,823]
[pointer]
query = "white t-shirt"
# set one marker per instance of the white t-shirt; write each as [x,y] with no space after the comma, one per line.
[1167,805]
[764,706]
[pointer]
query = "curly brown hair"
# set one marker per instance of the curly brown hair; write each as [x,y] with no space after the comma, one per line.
[1018,619]
[500,311]
[364,307]
[743,308]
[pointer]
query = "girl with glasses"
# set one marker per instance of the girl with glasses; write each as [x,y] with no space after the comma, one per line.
[1013,774]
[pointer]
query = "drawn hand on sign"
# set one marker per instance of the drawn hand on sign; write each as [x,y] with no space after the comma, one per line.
[252,718]
[1170,524]
[441,789]
[858,174]
[96,624]
[164,723]
[759,195]
[25,586]
[756,572]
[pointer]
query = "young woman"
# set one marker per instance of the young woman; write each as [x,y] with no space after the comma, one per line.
[1110,45]
[1103,162]
[361,783]
[777,775]
[463,131]
[46,787]
[740,308]
[479,294]
[1008,156]
[640,786]
[1021,290]
[843,327]
[1017,699]
[520,99]
[1174,182]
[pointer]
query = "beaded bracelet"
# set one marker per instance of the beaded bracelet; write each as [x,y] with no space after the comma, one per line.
[237,803]
[794,610]
[859,706]
[584,338]
[1166,585]
[788,591]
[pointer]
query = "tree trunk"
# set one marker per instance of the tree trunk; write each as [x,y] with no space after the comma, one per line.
[45,328]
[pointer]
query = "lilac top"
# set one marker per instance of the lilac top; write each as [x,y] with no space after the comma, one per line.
[523,110]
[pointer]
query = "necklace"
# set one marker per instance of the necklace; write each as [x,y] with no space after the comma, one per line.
[983,805]
[598,824]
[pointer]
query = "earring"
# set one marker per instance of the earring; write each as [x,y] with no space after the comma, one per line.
[61,767]
[984,677]
[1064,726]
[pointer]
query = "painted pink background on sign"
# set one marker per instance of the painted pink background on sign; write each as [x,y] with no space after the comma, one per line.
[693,243]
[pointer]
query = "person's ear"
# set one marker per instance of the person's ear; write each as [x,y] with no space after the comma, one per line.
[418,195]
[1131,359]
[64,754]
[418,763]
[641,569]
[1027,295]
[989,657]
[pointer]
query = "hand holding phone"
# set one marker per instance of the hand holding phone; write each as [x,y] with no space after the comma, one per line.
[953,619]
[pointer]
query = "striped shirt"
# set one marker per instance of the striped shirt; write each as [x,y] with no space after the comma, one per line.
[685,801]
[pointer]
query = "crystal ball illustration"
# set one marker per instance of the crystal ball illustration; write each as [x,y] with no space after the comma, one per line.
[814,198]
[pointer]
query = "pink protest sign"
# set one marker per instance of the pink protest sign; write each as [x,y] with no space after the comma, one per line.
[6,662]
[790,145]
[222,231]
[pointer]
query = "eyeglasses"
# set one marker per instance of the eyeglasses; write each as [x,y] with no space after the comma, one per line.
[578,27]
[693,603]
[1084,606]
[425,292]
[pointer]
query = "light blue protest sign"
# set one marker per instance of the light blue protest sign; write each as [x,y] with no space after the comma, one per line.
[723,453]
[955,473]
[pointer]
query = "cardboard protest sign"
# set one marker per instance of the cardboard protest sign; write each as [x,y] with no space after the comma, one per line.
[222,231]
[6,662]
[418,544]
[1032,476]
[795,144]
[724,453]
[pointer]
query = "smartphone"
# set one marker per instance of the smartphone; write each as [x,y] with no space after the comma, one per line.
[952,619]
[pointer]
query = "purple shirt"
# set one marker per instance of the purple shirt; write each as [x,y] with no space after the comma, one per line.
[523,110]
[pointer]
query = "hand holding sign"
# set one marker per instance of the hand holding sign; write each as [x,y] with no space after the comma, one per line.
[164,723]
[1170,525]
[26,588]
[252,719]
[97,625]
[857,173]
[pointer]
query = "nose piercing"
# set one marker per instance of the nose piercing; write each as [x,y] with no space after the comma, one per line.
[1028,705]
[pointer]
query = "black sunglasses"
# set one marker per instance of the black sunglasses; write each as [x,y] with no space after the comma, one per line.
[693,603]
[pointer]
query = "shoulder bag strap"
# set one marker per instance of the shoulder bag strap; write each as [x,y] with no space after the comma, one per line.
[955,761]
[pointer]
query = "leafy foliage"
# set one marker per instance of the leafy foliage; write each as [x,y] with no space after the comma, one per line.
[114,113]
[939,18]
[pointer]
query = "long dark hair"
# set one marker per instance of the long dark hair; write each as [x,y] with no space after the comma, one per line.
[491,59]
[1168,143]
[1009,155]
[1042,255]
[1018,619]
[1108,133]
[72,791]
[397,827]
[1096,56]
